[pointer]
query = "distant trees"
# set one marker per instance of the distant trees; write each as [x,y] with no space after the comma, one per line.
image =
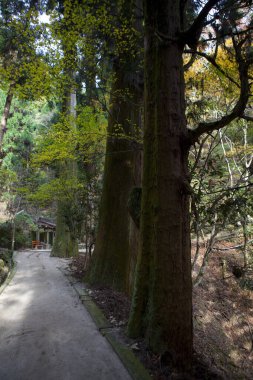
[17,175]
[65,31]
[22,70]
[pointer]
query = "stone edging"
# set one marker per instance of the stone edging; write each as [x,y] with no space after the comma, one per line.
[129,360]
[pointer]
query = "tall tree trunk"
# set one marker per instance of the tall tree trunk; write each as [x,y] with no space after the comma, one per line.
[134,228]
[110,262]
[114,258]
[162,302]
[65,242]
[6,113]
[134,233]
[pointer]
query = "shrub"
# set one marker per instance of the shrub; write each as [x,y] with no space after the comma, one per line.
[22,236]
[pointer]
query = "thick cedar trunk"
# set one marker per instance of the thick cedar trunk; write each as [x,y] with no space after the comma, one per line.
[162,302]
[134,230]
[114,258]
[6,113]
[111,258]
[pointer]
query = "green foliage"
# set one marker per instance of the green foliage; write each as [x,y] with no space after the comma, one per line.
[25,221]
[246,283]
[222,185]
[62,147]
[27,119]
[6,256]
[18,178]
[3,271]
[22,234]
[20,63]
[82,138]
[57,189]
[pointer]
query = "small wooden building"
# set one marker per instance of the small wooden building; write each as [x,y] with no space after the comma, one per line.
[44,236]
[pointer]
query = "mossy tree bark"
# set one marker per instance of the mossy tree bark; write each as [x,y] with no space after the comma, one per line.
[65,242]
[162,302]
[66,239]
[113,263]
[134,234]
[111,257]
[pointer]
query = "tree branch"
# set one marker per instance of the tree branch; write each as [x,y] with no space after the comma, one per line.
[227,35]
[191,36]
[191,60]
[238,109]
[214,63]
[247,118]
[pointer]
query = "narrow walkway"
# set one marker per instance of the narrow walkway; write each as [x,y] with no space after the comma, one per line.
[45,331]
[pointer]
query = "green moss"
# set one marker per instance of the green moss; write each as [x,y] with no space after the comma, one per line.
[133,365]
[65,243]
[96,314]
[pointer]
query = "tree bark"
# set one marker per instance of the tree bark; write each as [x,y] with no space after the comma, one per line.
[162,302]
[110,261]
[6,113]
[65,242]
[114,258]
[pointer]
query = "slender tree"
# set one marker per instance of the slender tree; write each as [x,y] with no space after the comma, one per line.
[66,237]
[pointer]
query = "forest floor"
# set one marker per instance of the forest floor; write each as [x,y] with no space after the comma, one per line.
[223,320]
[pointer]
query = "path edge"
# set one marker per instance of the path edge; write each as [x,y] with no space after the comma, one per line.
[133,365]
[10,276]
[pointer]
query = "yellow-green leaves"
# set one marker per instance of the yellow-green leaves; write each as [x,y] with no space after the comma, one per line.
[81,138]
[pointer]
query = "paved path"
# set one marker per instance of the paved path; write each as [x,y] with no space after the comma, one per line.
[45,331]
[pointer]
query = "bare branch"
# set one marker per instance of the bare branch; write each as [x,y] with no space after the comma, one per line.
[227,35]
[191,60]
[247,118]
[201,145]
[233,247]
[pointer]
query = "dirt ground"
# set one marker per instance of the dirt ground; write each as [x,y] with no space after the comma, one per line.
[223,319]
[223,315]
